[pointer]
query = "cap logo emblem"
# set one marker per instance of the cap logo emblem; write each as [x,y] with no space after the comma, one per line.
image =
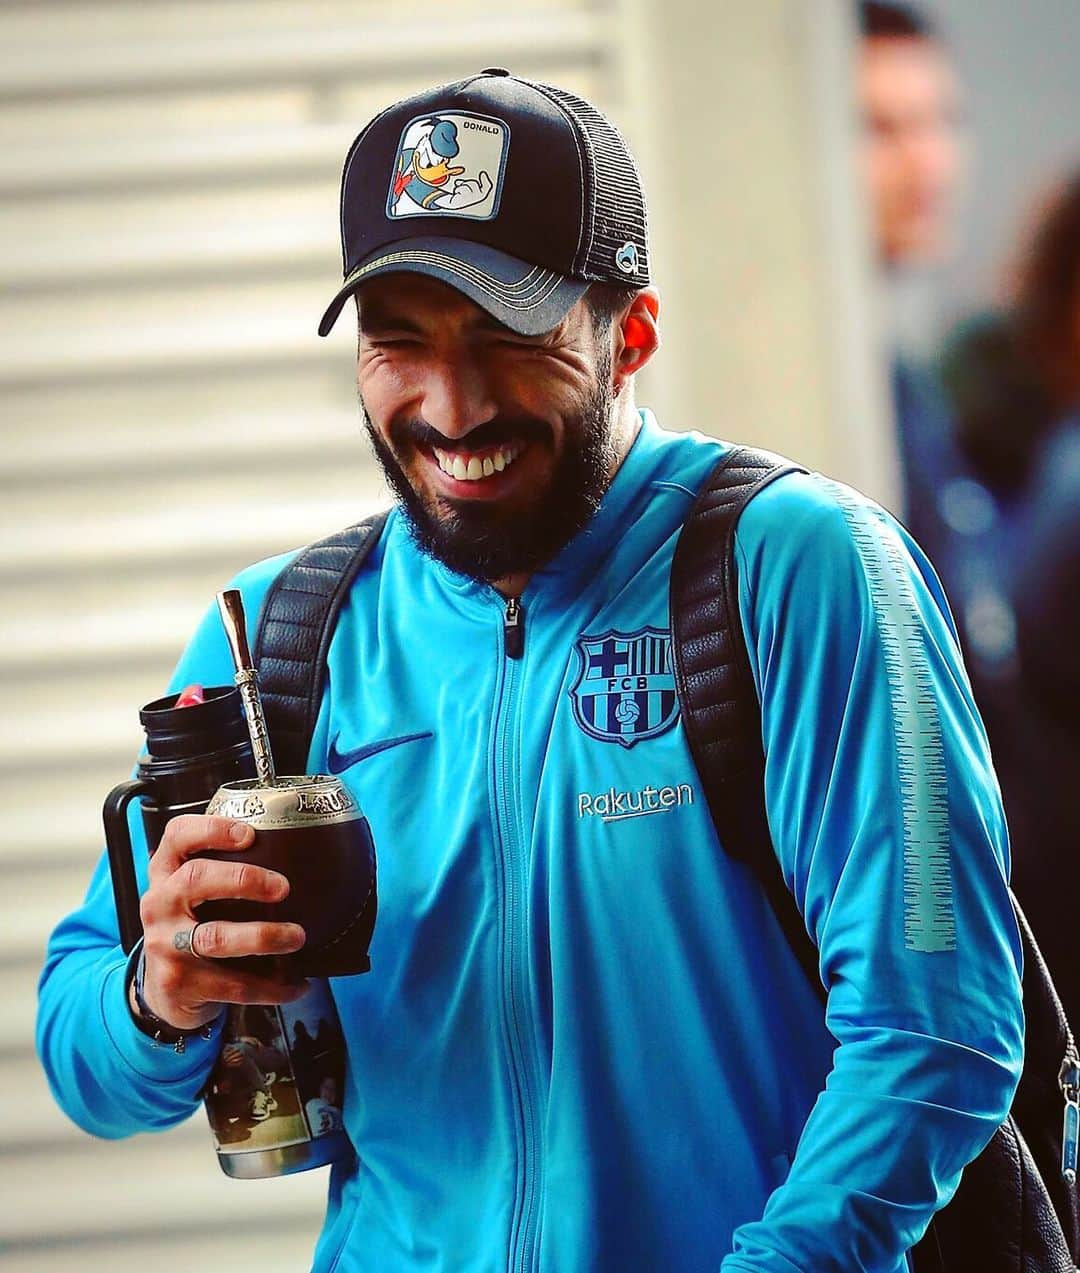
[449,164]
[626,258]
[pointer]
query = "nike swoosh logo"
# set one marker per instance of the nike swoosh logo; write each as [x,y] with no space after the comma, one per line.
[338,761]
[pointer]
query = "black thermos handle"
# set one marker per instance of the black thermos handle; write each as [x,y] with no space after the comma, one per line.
[122,858]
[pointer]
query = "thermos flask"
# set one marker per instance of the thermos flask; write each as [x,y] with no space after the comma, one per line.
[274,1096]
[190,752]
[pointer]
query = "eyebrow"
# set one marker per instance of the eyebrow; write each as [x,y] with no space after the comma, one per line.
[486,323]
[374,318]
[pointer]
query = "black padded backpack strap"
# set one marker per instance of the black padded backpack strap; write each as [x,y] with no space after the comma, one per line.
[719,702]
[295,627]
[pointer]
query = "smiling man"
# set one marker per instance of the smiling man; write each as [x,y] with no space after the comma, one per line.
[585,1043]
[496,483]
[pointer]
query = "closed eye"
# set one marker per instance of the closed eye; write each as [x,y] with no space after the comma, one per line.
[392,341]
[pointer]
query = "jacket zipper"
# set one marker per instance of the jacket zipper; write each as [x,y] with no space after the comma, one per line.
[513,629]
[514,939]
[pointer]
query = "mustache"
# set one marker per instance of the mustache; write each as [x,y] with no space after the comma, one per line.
[498,432]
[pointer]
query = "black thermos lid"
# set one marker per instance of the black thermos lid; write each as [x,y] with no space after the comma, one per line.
[173,732]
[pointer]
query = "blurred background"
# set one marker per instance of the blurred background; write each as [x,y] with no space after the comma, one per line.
[866,240]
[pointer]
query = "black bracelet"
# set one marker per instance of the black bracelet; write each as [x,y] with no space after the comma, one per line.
[145,1018]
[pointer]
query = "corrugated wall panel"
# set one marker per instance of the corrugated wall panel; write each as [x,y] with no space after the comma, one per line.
[168,211]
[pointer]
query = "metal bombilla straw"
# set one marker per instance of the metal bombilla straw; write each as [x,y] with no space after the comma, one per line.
[231,607]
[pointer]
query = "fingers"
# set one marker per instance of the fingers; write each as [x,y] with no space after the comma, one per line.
[205,879]
[168,906]
[219,939]
[191,833]
[187,993]
[246,987]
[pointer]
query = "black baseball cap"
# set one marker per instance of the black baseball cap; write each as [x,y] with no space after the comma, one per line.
[517,194]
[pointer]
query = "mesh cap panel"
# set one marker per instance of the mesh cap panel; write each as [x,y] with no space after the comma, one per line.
[613,196]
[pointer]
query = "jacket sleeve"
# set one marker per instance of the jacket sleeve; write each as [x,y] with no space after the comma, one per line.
[887,821]
[107,1076]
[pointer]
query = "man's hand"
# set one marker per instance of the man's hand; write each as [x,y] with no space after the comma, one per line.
[185,989]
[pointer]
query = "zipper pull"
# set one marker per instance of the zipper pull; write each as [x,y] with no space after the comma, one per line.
[514,628]
[1069,1082]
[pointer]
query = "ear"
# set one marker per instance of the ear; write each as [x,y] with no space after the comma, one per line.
[637,337]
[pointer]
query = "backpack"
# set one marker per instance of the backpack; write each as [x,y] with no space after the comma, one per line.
[1016,1208]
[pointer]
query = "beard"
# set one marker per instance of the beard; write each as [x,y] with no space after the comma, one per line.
[488,540]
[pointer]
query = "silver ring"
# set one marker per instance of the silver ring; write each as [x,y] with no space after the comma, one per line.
[184,940]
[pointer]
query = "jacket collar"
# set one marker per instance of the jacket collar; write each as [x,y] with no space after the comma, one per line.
[654,456]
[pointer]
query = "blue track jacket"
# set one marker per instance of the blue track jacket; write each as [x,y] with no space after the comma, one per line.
[584,1043]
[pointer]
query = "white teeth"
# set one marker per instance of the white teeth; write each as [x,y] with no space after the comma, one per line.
[474,468]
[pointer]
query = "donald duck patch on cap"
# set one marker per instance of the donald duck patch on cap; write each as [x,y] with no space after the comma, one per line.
[451,164]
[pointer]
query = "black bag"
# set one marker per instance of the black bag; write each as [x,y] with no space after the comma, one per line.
[1014,1211]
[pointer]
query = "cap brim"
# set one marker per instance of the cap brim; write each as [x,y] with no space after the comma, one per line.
[526,298]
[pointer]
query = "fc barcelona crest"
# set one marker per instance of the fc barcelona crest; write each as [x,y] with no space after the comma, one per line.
[625,688]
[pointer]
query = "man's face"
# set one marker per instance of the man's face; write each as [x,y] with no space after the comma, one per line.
[498,445]
[913,150]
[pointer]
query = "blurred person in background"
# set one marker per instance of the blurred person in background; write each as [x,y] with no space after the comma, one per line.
[1013,382]
[971,430]
[913,163]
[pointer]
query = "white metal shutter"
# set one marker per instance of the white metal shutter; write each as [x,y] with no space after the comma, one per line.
[168,213]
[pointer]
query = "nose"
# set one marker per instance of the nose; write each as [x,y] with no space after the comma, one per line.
[457,398]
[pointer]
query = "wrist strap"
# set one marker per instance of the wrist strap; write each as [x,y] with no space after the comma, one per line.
[145,1018]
